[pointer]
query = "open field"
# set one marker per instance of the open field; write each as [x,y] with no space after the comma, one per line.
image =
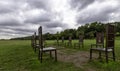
[18,55]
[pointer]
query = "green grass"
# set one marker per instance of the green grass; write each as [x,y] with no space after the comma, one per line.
[18,55]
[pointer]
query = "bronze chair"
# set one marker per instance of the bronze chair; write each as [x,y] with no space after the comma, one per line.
[36,45]
[110,36]
[57,41]
[43,49]
[62,41]
[80,42]
[34,42]
[69,43]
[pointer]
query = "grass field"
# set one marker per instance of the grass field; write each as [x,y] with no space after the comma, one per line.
[18,55]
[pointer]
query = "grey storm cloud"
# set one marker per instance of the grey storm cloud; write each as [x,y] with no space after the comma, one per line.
[101,13]
[43,4]
[101,16]
[9,6]
[80,4]
[54,24]
[9,22]
[23,30]
[4,9]
[16,30]
[39,18]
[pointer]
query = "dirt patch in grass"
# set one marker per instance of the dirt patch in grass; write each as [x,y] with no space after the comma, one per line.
[78,58]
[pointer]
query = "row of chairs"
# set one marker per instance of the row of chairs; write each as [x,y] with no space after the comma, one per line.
[40,45]
[79,44]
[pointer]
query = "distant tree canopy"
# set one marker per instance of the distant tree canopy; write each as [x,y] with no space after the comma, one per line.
[21,38]
[88,30]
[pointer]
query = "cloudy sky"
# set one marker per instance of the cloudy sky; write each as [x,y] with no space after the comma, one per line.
[23,17]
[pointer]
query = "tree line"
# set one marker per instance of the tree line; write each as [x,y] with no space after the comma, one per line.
[88,30]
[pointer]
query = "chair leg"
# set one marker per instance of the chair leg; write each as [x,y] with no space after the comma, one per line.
[113,55]
[82,45]
[79,45]
[106,54]
[41,56]
[50,54]
[55,55]
[35,49]
[90,54]
[99,54]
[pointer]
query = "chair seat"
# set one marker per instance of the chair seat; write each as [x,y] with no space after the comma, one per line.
[101,49]
[36,45]
[48,49]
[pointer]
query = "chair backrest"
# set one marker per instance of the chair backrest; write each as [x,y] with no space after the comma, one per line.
[62,39]
[35,38]
[57,39]
[32,40]
[40,37]
[110,36]
[81,38]
[100,38]
[70,39]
